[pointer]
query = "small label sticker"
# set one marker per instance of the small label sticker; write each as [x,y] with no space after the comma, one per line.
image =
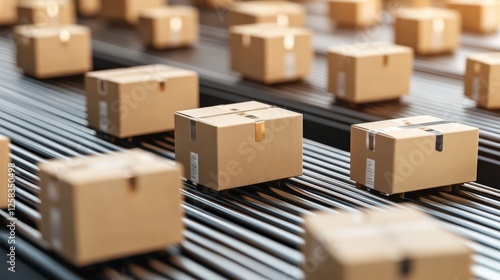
[290,65]
[370,173]
[341,84]
[103,116]
[55,227]
[194,167]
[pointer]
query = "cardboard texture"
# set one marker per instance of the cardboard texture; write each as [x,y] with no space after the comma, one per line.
[8,12]
[414,153]
[53,51]
[482,80]
[4,173]
[401,243]
[270,53]
[282,13]
[139,100]
[369,72]
[477,16]
[428,30]
[89,8]
[355,13]
[46,12]
[127,11]
[168,27]
[240,144]
[101,208]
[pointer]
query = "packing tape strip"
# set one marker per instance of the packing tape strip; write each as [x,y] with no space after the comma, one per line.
[476,87]
[290,65]
[437,34]
[55,227]
[102,87]
[282,20]
[103,116]
[176,25]
[260,128]
[368,12]
[341,84]
[490,19]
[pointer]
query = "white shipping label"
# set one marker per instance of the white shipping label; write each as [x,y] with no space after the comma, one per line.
[194,167]
[476,87]
[103,116]
[370,173]
[341,84]
[290,65]
[55,227]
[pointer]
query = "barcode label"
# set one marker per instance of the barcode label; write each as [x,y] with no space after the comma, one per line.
[55,227]
[370,173]
[341,84]
[103,116]
[194,167]
[289,70]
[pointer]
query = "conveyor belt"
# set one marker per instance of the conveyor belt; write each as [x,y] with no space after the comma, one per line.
[252,233]
[435,95]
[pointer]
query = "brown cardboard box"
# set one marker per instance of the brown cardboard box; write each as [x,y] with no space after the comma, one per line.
[4,173]
[369,72]
[477,16]
[428,30]
[283,13]
[239,144]
[394,5]
[482,80]
[8,12]
[139,100]
[168,27]
[414,153]
[101,208]
[127,10]
[46,12]
[222,4]
[401,243]
[355,13]
[89,8]
[270,53]
[53,51]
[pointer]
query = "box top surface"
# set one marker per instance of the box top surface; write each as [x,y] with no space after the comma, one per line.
[427,13]
[369,49]
[236,114]
[486,58]
[40,3]
[263,8]
[413,127]
[168,11]
[4,138]
[34,31]
[268,30]
[126,164]
[357,237]
[155,72]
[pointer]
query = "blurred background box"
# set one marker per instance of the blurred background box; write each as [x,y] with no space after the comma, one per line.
[398,243]
[369,72]
[482,80]
[8,12]
[139,100]
[4,170]
[101,208]
[428,30]
[169,27]
[127,11]
[53,51]
[270,53]
[404,155]
[46,12]
[478,16]
[89,8]
[355,13]
[283,13]
[239,144]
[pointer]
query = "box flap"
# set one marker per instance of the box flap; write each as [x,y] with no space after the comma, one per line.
[156,72]
[230,109]
[268,30]
[264,8]
[369,49]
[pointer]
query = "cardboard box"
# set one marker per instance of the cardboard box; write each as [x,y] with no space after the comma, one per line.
[400,243]
[41,12]
[4,171]
[139,100]
[355,13]
[101,208]
[414,153]
[8,12]
[89,8]
[394,5]
[477,16]
[270,53]
[127,11]
[240,144]
[53,51]
[482,80]
[168,27]
[428,30]
[224,4]
[369,72]
[283,13]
